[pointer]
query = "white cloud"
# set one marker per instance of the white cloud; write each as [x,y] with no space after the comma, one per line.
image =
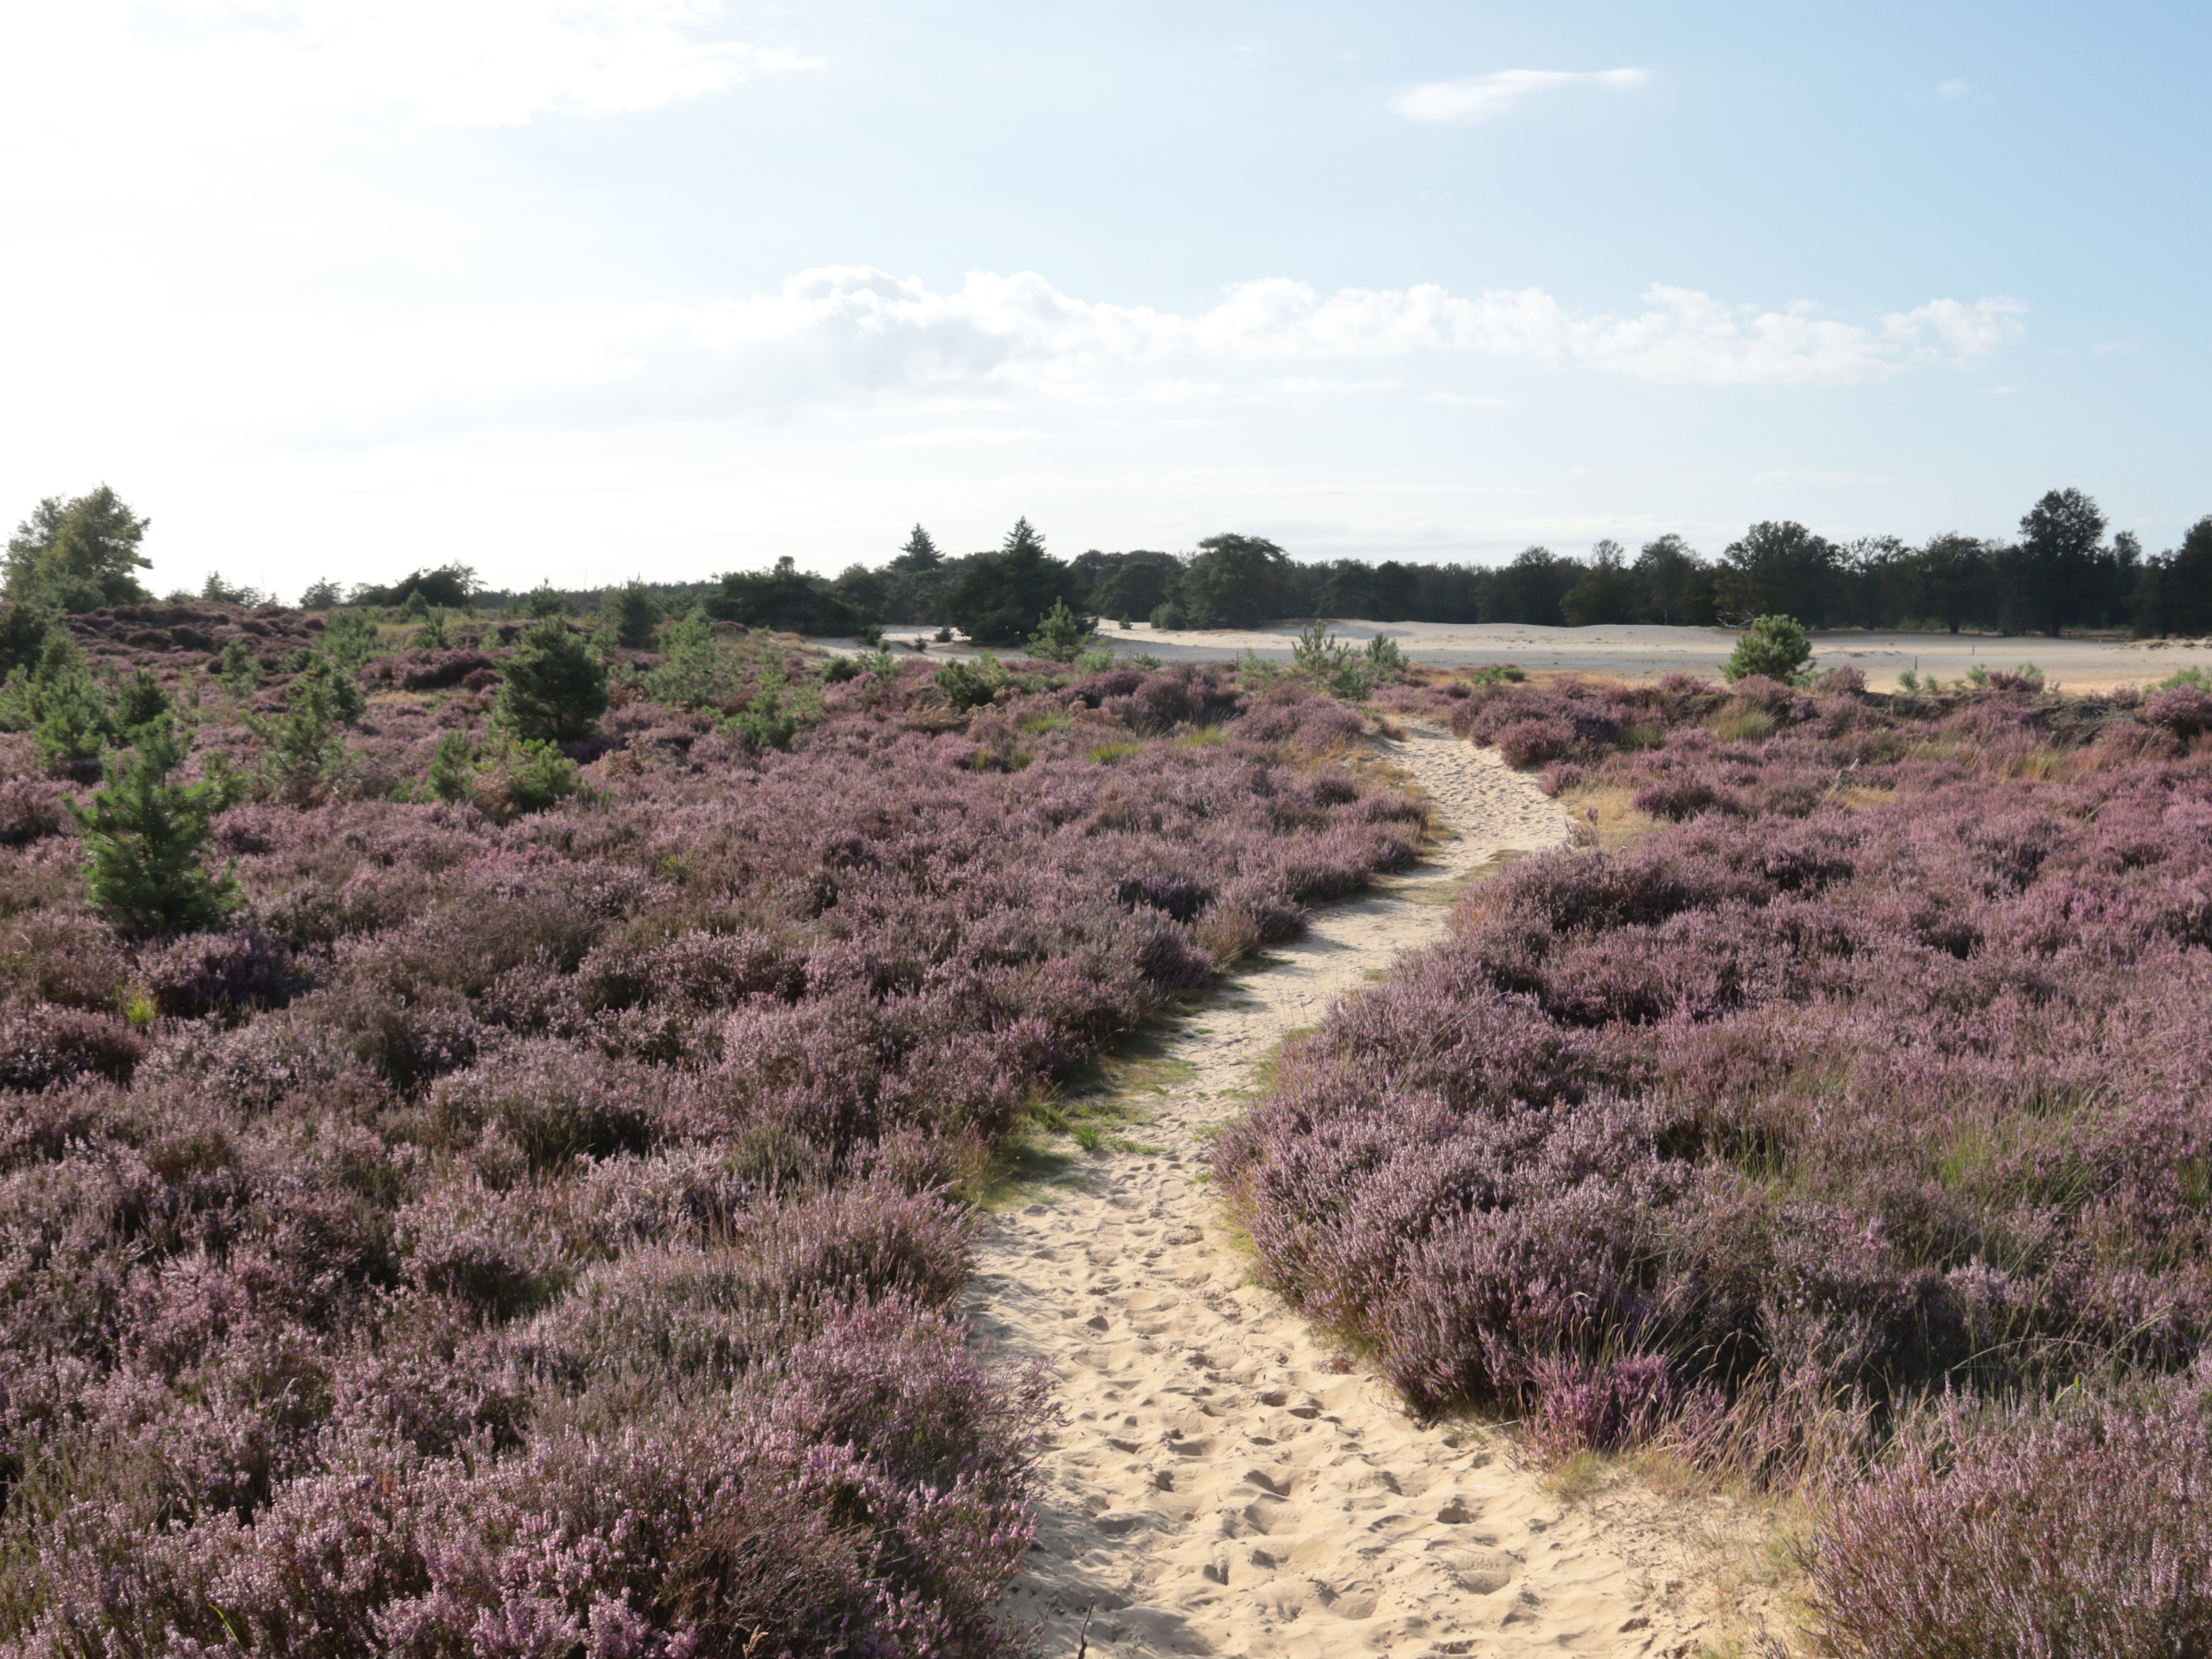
[1949,90]
[226,65]
[960,360]
[1966,331]
[966,437]
[1484,96]
[872,331]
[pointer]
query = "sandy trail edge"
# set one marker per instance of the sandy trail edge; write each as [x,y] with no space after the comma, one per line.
[1218,1488]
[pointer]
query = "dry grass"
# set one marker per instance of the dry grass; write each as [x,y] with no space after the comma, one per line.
[1605,819]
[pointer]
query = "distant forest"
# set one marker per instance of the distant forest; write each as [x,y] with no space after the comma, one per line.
[2061,574]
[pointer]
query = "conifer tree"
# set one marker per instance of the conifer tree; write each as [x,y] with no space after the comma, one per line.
[143,837]
[555,686]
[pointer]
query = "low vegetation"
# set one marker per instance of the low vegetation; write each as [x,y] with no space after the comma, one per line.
[1871,1076]
[493,1114]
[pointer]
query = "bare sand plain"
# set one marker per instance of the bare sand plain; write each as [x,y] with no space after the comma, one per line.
[1226,1481]
[1645,651]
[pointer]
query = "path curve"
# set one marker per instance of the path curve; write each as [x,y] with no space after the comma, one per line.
[1219,1488]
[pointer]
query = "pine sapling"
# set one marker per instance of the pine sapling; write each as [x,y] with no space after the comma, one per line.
[144,835]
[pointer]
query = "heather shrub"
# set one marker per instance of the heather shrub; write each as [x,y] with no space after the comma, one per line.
[42,1046]
[30,811]
[2185,710]
[512,1214]
[226,973]
[1789,1106]
[2086,1532]
[1533,742]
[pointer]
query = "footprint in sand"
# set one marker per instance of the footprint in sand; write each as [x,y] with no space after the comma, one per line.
[1221,1486]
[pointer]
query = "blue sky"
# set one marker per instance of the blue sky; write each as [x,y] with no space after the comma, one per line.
[604,287]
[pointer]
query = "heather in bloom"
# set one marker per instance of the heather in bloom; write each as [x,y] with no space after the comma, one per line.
[1873,1071]
[525,1221]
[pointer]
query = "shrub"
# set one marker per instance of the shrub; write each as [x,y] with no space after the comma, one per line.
[1533,742]
[44,1046]
[2184,711]
[967,686]
[692,672]
[632,612]
[2090,1534]
[1062,635]
[144,838]
[554,686]
[1773,646]
[515,776]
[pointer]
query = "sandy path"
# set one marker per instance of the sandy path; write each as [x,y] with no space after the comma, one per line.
[1220,1488]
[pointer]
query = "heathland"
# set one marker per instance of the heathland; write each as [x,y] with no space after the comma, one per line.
[500,1113]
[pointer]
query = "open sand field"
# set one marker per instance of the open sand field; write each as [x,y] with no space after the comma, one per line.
[1225,1483]
[1644,652]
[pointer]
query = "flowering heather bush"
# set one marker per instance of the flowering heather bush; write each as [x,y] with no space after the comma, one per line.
[2092,1534]
[1876,1068]
[534,1237]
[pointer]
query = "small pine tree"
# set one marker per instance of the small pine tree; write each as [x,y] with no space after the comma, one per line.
[693,672]
[515,776]
[239,670]
[23,630]
[555,685]
[144,836]
[1774,646]
[140,700]
[632,612]
[1061,634]
[545,600]
[57,701]
[452,768]
[305,756]
[350,641]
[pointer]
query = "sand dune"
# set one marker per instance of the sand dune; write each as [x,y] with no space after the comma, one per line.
[1225,1484]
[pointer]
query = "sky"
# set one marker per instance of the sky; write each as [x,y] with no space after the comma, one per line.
[582,289]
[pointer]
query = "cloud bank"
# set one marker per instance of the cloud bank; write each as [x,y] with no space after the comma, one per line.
[860,330]
[1483,96]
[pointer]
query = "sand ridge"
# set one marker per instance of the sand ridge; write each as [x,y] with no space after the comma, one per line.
[1224,1483]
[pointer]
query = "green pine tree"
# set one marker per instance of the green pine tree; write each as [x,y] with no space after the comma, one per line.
[1062,635]
[305,756]
[143,837]
[57,701]
[693,672]
[555,686]
[140,700]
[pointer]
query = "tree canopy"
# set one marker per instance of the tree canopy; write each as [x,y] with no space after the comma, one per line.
[78,554]
[1003,596]
[1234,582]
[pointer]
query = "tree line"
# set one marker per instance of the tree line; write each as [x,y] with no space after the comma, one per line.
[2060,573]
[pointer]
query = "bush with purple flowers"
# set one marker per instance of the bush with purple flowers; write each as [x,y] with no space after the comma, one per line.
[529,1227]
[1875,1070]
